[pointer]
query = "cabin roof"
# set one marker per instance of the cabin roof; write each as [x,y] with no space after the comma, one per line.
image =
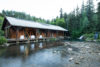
[32,24]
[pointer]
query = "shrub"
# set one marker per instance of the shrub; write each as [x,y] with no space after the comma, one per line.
[2,40]
[75,34]
[89,37]
[99,36]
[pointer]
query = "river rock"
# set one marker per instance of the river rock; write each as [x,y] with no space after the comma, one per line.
[66,43]
[70,49]
[54,51]
[81,57]
[87,47]
[70,59]
[76,62]
[98,53]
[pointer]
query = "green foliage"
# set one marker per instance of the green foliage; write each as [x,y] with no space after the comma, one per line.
[75,34]
[1,21]
[99,36]
[98,14]
[78,22]
[89,36]
[89,39]
[22,15]
[60,22]
[90,14]
[61,13]
[2,40]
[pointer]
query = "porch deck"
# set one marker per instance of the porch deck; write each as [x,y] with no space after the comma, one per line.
[32,40]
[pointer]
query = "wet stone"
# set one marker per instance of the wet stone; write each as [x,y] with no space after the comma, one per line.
[76,62]
[70,49]
[98,53]
[70,59]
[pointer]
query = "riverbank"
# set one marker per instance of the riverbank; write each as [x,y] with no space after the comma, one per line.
[52,54]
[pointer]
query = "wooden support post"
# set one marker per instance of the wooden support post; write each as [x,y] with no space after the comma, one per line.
[36,35]
[17,30]
[28,41]
[6,31]
[48,33]
[57,33]
[63,35]
[6,34]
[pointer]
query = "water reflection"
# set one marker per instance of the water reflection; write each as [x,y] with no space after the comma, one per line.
[22,48]
[32,46]
[27,49]
[32,55]
[40,45]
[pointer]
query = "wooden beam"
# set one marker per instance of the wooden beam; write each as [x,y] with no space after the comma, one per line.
[63,33]
[17,30]
[37,31]
[6,34]
[57,34]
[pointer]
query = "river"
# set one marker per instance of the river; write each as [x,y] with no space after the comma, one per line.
[50,54]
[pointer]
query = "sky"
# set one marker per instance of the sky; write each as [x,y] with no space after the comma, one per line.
[46,9]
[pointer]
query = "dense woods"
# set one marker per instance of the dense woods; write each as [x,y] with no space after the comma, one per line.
[84,20]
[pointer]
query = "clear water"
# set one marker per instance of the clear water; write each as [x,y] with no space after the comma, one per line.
[51,54]
[33,55]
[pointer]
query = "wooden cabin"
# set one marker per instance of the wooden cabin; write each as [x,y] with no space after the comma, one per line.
[22,29]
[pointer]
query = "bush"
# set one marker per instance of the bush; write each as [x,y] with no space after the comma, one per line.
[89,37]
[99,35]
[2,40]
[75,34]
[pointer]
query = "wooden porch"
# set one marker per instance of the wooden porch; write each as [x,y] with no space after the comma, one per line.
[13,41]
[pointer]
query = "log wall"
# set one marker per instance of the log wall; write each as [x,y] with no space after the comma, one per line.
[27,32]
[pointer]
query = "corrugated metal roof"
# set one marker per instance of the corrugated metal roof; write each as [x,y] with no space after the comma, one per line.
[25,23]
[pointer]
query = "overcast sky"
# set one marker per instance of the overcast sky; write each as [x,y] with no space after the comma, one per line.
[46,9]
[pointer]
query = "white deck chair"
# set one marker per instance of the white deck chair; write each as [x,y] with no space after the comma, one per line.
[40,37]
[32,37]
[22,37]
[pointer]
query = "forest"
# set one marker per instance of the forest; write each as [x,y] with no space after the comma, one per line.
[81,21]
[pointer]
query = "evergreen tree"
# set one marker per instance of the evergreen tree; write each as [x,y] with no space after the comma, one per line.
[90,14]
[61,13]
[22,15]
[84,22]
[98,13]
[65,19]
